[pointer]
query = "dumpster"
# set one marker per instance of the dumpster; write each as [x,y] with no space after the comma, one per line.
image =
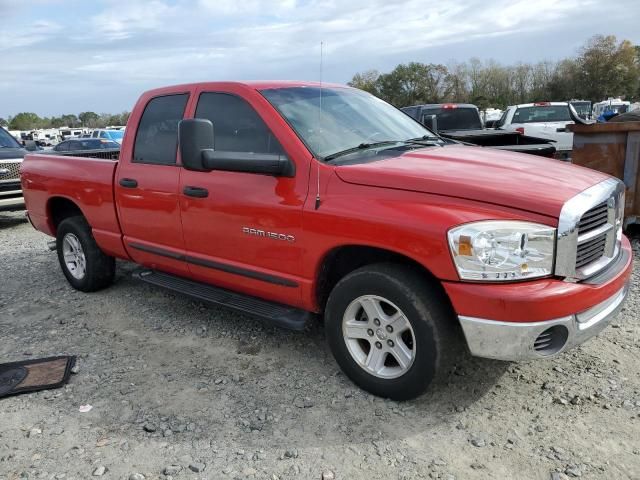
[612,148]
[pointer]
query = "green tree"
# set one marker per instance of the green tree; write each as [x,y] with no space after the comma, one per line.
[367,81]
[608,68]
[457,83]
[25,121]
[57,122]
[3,122]
[413,83]
[70,120]
[89,119]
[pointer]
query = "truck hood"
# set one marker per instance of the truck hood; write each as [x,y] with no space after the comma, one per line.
[524,182]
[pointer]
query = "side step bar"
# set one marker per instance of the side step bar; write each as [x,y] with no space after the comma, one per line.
[275,313]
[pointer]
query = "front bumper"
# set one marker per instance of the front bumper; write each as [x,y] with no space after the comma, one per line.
[12,203]
[529,341]
[538,319]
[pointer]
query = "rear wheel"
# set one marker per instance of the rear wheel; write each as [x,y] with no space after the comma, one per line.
[84,265]
[390,329]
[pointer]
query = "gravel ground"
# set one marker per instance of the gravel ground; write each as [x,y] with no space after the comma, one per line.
[187,391]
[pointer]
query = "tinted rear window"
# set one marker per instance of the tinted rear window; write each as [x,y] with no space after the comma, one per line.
[454,118]
[549,113]
[157,136]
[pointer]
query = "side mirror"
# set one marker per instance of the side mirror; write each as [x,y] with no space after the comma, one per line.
[196,140]
[31,146]
[431,122]
[194,136]
[248,162]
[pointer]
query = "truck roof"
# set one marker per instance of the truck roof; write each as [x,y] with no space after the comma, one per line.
[253,84]
[449,104]
[541,104]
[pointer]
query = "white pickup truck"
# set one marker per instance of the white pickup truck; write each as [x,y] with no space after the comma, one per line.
[543,120]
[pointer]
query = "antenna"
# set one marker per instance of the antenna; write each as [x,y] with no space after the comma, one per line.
[319,129]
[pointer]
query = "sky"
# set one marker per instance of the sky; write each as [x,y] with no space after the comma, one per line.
[76,55]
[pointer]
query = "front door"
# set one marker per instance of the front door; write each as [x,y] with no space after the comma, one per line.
[245,233]
[147,187]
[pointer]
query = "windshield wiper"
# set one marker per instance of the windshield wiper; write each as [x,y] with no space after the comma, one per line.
[362,146]
[424,140]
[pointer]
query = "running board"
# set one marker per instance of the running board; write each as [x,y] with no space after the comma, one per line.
[275,313]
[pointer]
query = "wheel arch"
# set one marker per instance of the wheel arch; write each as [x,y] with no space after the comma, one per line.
[60,208]
[340,261]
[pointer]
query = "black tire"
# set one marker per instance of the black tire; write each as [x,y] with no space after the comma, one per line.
[426,307]
[99,268]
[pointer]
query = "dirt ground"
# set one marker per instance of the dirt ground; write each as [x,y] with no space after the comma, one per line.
[187,391]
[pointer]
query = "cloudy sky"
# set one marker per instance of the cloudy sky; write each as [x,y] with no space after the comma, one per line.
[75,55]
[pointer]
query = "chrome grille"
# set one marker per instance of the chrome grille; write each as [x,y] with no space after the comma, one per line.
[590,251]
[594,218]
[589,230]
[9,170]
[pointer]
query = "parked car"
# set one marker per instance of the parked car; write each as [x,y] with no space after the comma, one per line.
[546,120]
[11,155]
[461,122]
[84,144]
[108,134]
[348,209]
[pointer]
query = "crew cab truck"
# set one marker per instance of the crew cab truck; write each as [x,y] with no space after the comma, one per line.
[461,122]
[291,200]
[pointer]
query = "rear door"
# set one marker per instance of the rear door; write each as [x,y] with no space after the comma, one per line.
[147,187]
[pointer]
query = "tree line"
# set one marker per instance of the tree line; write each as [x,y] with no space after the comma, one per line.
[31,121]
[602,68]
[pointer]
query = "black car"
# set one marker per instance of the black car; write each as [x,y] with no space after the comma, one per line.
[81,144]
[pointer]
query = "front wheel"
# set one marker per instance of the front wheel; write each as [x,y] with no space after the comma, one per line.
[390,329]
[86,267]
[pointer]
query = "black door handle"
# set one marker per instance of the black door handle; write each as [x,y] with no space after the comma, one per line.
[128,183]
[197,192]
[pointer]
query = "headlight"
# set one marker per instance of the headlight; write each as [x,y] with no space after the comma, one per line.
[501,251]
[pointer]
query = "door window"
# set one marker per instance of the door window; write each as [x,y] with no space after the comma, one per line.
[236,125]
[157,136]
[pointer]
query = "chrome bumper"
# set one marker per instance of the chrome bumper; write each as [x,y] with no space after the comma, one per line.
[14,203]
[515,341]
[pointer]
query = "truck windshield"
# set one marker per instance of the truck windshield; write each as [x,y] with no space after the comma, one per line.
[7,141]
[457,118]
[541,114]
[349,118]
[582,108]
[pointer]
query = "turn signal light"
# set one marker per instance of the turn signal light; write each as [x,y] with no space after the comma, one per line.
[464,247]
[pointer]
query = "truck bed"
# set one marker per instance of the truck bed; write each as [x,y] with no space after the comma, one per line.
[88,182]
[503,140]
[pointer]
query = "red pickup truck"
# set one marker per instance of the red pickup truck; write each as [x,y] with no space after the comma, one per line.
[289,199]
